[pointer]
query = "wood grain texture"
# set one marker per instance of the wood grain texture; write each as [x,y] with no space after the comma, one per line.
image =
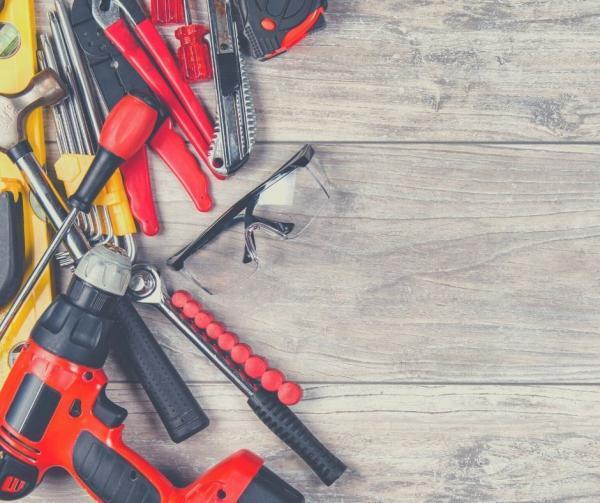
[440,444]
[440,278]
[432,263]
[433,70]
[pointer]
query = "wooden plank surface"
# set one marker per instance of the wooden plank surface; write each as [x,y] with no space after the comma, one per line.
[441,278]
[432,263]
[440,443]
[434,70]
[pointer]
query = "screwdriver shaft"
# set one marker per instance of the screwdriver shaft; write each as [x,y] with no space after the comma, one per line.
[38,271]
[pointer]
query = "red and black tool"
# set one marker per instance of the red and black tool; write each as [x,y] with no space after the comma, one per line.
[115,77]
[149,55]
[271,27]
[246,371]
[177,408]
[54,411]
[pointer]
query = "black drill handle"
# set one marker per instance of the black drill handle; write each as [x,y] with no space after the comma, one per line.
[288,427]
[178,409]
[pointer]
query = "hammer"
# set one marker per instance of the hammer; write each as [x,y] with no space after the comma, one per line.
[44,89]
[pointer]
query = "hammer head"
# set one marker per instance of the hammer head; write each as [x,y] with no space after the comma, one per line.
[44,89]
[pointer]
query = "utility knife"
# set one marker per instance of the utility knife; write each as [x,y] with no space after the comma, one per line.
[235,126]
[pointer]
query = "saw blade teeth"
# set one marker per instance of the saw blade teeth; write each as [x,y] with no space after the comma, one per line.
[250,113]
[215,139]
[216,150]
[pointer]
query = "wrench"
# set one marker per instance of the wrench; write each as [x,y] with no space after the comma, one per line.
[146,287]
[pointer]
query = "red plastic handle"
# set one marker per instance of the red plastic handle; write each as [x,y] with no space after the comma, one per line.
[123,136]
[122,38]
[174,152]
[136,176]
[165,60]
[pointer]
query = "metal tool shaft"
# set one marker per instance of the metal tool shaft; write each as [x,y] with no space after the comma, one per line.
[206,349]
[62,108]
[187,12]
[62,53]
[51,202]
[81,72]
[38,270]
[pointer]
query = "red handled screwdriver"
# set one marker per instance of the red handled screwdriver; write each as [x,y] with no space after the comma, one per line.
[194,52]
[120,139]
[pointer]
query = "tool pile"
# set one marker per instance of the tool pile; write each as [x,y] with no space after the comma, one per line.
[115,88]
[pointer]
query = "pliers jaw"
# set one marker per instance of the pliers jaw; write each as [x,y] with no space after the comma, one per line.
[105,12]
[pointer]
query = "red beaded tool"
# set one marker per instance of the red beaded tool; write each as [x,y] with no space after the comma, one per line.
[253,366]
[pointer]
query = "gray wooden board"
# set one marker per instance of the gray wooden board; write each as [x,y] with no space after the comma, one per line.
[431,263]
[434,71]
[436,444]
[441,277]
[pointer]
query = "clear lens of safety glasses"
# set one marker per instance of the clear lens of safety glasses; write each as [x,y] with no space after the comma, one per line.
[251,232]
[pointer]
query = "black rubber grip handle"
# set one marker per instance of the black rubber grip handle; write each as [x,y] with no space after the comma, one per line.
[288,427]
[178,409]
[109,475]
[104,165]
[12,246]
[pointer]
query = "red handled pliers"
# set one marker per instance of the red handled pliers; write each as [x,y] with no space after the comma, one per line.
[169,86]
[171,148]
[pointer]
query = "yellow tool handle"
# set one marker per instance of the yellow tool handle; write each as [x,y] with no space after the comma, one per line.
[11,185]
[71,168]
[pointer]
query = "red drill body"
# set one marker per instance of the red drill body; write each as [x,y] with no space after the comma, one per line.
[88,448]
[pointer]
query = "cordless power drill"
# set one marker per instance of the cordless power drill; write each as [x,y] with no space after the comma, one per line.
[54,411]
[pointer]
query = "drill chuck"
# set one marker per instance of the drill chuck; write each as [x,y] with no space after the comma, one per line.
[78,325]
[106,269]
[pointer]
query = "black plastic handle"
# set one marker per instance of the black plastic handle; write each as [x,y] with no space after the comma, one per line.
[109,475]
[12,246]
[288,427]
[178,409]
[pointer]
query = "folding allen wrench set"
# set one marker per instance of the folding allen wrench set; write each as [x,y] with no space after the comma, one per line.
[115,88]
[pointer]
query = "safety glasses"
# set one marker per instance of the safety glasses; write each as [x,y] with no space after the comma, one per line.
[281,208]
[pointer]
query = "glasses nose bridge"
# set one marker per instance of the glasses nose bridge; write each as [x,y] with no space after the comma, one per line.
[279,228]
[254,224]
